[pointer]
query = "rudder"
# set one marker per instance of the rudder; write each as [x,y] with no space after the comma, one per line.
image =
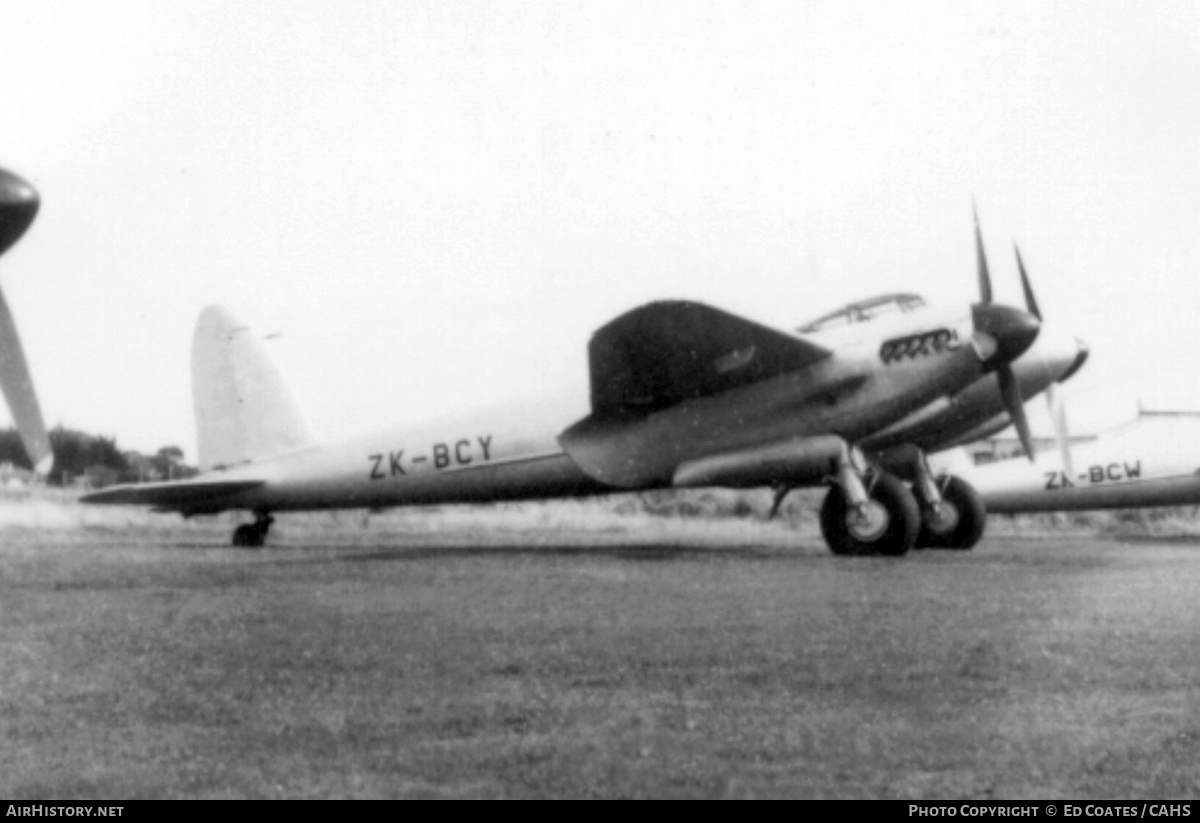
[244,412]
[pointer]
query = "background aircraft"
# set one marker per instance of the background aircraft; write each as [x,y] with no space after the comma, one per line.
[18,206]
[682,395]
[1145,462]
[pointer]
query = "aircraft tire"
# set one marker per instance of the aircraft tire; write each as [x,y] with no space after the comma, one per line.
[249,535]
[890,528]
[965,527]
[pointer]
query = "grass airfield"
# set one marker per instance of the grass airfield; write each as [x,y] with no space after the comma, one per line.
[592,649]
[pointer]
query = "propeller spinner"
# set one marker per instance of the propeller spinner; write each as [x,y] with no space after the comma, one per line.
[18,207]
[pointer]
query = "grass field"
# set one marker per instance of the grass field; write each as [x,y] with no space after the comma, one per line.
[588,651]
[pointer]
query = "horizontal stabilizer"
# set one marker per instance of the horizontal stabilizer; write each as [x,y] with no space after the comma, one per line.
[667,352]
[188,496]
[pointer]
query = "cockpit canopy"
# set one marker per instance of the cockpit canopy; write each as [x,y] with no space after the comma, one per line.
[864,311]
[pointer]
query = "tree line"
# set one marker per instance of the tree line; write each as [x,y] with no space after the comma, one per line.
[79,454]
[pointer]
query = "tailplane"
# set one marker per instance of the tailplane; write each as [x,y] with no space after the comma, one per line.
[244,411]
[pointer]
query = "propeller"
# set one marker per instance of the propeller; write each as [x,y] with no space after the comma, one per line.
[1058,414]
[1030,300]
[1054,401]
[18,206]
[1014,331]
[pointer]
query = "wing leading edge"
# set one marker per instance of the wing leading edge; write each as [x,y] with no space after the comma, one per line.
[667,352]
[647,365]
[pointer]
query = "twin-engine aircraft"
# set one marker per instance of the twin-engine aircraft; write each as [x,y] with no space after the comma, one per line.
[1141,463]
[682,395]
[18,206]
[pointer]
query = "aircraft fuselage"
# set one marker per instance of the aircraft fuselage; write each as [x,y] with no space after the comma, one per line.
[1144,464]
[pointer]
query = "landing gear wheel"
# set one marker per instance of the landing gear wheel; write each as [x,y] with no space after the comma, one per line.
[888,526]
[253,535]
[960,521]
[248,536]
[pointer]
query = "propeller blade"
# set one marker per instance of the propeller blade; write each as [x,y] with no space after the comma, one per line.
[985,279]
[1058,414]
[18,206]
[18,391]
[1010,390]
[1030,300]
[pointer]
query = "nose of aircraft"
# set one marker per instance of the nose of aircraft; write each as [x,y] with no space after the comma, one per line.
[18,206]
[1013,330]
[1056,355]
[1081,356]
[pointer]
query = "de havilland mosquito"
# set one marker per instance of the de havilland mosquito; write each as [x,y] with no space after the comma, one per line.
[683,395]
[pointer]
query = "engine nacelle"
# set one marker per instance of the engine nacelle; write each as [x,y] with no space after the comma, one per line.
[807,461]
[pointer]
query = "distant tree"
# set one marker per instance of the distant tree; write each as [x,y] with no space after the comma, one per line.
[68,450]
[104,452]
[12,450]
[75,453]
[138,467]
[167,462]
[78,454]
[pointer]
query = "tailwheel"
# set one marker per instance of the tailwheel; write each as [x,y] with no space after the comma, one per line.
[957,522]
[887,523]
[253,535]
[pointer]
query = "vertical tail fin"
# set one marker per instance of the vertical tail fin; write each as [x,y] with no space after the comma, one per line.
[243,410]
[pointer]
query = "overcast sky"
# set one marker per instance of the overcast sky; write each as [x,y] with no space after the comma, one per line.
[435,204]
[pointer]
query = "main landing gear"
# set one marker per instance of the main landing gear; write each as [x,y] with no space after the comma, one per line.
[952,512]
[253,535]
[870,511]
[879,517]
[955,519]
[885,522]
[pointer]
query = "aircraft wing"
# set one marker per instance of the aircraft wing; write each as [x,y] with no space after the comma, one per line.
[188,496]
[667,352]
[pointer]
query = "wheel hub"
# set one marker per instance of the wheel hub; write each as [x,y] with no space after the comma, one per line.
[869,523]
[943,518]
